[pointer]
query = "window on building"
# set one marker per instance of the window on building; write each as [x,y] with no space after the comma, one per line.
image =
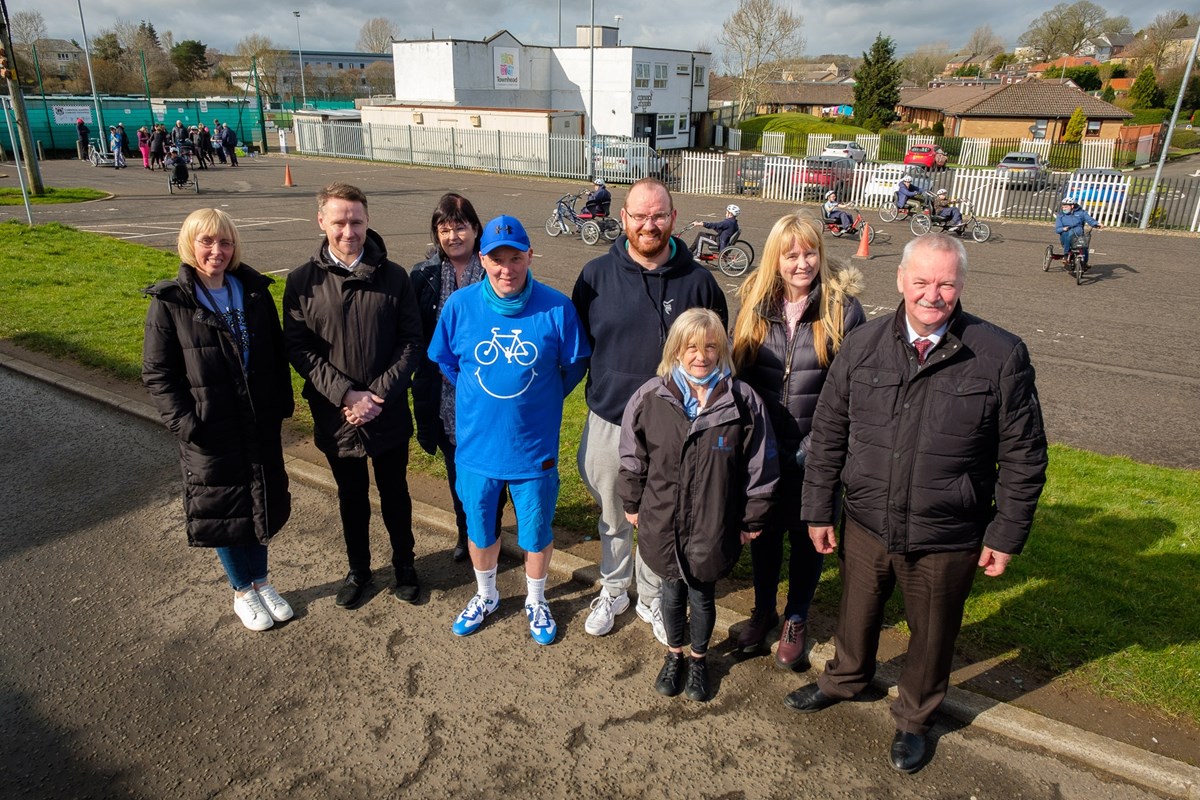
[660,76]
[683,123]
[362,66]
[340,65]
[641,76]
[698,76]
[1093,127]
[1039,128]
[666,125]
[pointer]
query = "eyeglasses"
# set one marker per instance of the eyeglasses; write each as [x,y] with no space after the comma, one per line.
[642,219]
[457,230]
[208,241]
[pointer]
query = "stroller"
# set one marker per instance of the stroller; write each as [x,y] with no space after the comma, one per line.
[181,176]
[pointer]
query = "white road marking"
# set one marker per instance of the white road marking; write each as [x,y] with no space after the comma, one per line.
[125,230]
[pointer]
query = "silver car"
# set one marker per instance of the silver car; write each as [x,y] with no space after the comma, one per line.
[1024,169]
[846,149]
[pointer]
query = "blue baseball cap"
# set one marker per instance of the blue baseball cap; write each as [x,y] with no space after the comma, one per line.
[503,231]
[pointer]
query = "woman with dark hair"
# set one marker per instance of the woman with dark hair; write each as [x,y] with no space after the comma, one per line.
[158,146]
[214,363]
[453,263]
[796,309]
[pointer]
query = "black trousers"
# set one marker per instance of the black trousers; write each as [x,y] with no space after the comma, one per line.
[677,599]
[935,588]
[354,503]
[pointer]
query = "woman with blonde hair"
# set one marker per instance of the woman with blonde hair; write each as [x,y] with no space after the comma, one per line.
[213,361]
[796,309]
[697,472]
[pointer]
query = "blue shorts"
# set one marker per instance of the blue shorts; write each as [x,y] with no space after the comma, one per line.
[533,501]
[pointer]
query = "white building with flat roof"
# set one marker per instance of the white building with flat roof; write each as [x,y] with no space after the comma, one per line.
[645,92]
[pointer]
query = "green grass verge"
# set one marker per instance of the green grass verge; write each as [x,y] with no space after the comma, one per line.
[1105,592]
[12,197]
[799,123]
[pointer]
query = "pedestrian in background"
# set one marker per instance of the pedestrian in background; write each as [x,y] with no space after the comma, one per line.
[213,361]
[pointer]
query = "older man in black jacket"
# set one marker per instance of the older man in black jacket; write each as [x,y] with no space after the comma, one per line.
[930,419]
[353,333]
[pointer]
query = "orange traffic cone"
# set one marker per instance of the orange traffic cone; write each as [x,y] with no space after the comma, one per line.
[287,175]
[864,245]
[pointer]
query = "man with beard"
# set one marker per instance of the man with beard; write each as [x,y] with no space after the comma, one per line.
[627,300]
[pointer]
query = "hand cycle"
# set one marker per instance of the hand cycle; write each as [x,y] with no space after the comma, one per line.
[890,212]
[855,229]
[923,222]
[733,261]
[1073,258]
[589,227]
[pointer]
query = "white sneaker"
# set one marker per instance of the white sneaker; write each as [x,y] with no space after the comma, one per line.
[652,615]
[250,609]
[276,606]
[604,609]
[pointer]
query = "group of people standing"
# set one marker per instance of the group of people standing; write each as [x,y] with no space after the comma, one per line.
[916,437]
[159,145]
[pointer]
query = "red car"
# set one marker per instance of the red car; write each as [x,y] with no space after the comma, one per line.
[928,156]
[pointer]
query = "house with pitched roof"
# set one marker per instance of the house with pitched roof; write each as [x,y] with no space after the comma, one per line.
[1036,108]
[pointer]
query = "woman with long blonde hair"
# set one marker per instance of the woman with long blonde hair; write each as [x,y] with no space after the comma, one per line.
[796,309]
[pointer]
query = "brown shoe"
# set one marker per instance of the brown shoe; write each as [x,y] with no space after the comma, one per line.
[755,633]
[791,654]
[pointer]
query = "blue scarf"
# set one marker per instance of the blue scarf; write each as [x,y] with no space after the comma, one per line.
[508,306]
[691,405]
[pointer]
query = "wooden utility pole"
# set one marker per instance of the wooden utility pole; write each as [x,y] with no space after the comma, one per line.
[9,68]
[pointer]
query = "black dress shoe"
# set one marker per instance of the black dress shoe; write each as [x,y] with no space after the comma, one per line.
[670,677]
[460,549]
[808,699]
[352,591]
[908,751]
[408,586]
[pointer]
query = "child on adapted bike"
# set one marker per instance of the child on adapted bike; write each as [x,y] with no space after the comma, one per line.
[726,229]
[834,213]
[598,202]
[944,208]
[178,162]
[908,195]
[1070,223]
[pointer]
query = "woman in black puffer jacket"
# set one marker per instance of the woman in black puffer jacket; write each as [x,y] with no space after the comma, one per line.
[795,310]
[214,363]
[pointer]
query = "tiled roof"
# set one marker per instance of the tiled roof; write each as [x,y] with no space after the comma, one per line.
[945,96]
[1035,99]
[1066,62]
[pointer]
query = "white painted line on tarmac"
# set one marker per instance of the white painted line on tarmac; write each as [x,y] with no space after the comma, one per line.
[148,230]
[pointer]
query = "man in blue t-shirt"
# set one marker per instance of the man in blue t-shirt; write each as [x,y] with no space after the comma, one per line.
[514,349]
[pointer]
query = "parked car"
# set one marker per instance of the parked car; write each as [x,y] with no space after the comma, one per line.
[846,149]
[749,175]
[1024,169]
[1092,188]
[929,156]
[881,185]
[630,162]
[826,173]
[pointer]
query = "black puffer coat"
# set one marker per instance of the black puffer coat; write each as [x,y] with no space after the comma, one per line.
[427,381]
[696,484]
[356,331]
[940,457]
[226,419]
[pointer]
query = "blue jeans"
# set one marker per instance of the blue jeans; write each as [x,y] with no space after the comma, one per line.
[244,565]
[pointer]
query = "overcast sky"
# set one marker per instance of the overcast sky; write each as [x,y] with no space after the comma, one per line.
[829,27]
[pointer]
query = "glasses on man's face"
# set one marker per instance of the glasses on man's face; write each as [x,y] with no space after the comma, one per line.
[658,220]
[457,230]
[209,241]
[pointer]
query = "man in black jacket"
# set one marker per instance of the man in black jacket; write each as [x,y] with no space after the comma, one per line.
[627,300]
[353,333]
[930,419]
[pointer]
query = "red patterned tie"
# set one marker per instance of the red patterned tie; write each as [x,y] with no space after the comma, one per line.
[922,346]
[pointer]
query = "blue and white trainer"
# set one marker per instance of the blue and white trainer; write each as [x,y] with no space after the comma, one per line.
[472,616]
[541,622]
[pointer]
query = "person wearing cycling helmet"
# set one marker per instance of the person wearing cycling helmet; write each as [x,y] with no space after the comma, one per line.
[599,200]
[834,213]
[944,209]
[1070,223]
[726,229]
[908,195]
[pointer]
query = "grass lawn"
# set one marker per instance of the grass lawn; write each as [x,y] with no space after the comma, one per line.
[1105,592]
[12,196]
[799,123]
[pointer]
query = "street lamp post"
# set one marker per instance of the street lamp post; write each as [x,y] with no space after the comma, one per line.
[300,52]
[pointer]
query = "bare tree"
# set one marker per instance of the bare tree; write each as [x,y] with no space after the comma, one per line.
[759,34]
[381,78]
[925,63]
[270,61]
[1063,29]
[984,42]
[376,35]
[26,27]
[1154,40]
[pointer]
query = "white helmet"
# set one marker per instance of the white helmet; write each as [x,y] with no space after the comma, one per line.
[830,194]
[599,181]
[907,179]
[941,192]
[732,209]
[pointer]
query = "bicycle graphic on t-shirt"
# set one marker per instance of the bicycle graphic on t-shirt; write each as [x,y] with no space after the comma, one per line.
[510,345]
